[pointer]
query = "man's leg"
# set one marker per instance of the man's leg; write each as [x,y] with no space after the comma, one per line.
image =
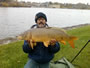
[46,65]
[31,64]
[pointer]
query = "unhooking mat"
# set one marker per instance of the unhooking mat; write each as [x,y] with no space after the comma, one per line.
[63,63]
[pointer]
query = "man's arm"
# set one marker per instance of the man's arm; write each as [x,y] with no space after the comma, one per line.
[26,47]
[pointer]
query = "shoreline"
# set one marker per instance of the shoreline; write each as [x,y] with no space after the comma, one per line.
[14,39]
[7,40]
[75,26]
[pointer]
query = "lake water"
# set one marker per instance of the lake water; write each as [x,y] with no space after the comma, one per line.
[14,21]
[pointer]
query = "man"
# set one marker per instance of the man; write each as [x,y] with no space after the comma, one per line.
[40,56]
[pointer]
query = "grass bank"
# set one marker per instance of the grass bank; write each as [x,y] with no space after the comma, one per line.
[12,56]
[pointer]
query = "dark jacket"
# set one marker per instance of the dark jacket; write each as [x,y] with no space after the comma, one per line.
[40,53]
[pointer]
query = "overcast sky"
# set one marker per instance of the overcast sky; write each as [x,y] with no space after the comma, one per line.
[60,1]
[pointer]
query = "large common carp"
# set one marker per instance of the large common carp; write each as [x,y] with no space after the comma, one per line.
[46,34]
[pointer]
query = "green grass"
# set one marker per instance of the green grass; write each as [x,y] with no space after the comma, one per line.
[83,60]
[12,55]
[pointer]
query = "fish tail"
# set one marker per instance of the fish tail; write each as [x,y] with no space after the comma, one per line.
[71,43]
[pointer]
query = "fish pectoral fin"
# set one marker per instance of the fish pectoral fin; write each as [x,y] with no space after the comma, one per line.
[71,43]
[46,43]
[31,44]
[62,41]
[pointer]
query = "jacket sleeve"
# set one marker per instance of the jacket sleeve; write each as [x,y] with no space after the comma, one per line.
[55,48]
[26,47]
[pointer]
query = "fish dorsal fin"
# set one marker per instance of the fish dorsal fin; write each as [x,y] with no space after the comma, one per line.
[31,44]
[46,43]
[56,28]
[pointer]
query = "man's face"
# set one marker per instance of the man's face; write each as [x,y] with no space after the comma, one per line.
[41,22]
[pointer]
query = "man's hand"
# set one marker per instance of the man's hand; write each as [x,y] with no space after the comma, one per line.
[53,42]
[28,41]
